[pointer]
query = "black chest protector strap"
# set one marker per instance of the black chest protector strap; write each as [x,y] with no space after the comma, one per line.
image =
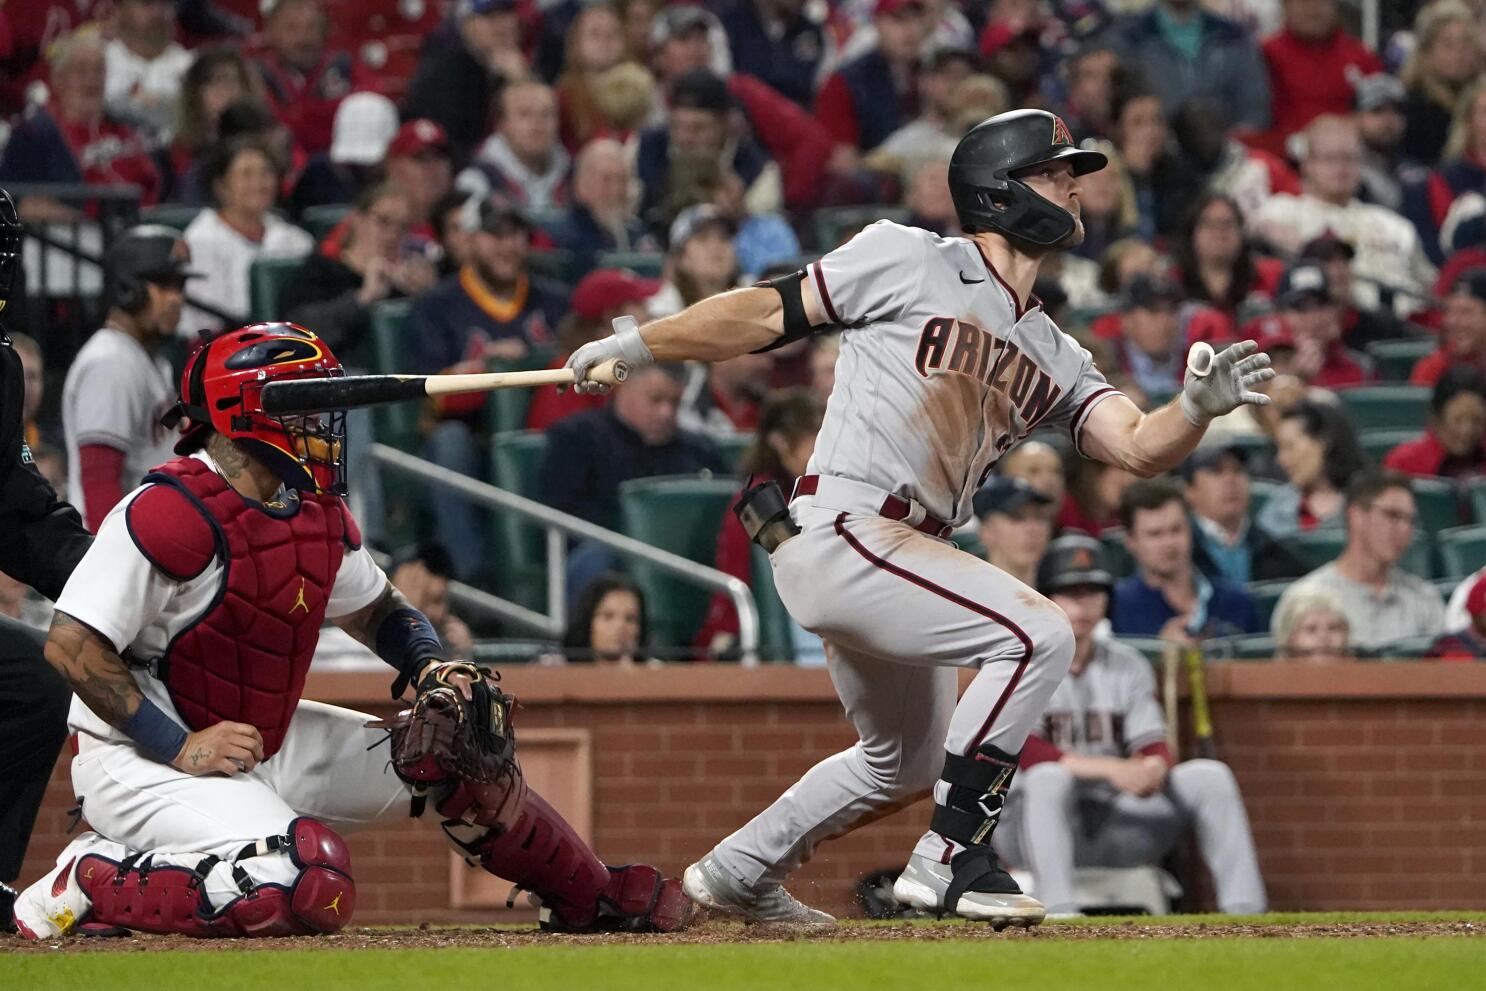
[796,323]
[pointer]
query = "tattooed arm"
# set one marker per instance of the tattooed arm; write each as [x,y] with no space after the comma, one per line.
[397,633]
[98,675]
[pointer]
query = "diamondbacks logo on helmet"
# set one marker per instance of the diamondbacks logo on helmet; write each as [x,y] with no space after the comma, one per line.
[1081,560]
[1060,132]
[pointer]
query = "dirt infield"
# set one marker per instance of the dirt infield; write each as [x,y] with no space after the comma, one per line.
[426,937]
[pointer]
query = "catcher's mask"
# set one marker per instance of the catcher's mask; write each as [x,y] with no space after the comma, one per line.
[222,390]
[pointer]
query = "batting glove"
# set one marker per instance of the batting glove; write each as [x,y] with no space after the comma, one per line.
[1219,384]
[626,344]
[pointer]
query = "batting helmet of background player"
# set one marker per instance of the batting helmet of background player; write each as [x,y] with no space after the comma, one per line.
[147,253]
[985,171]
[1071,562]
[222,390]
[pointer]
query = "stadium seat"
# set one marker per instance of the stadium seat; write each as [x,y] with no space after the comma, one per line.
[1397,407]
[553,264]
[547,217]
[733,447]
[681,514]
[1121,564]
[837,224]
[968,540]
[396,423]
[1153,648]
[1403,649]
[1395,360]
[1476,498]
[267,280]
[1247,647]
[775,631]
[177,215]
[321,220]
[1377,443]
[1439,504]
[1462,551]
[1266,596]
[520,547]
[1320,546]
[1260,489]
[506,409]
[648,264]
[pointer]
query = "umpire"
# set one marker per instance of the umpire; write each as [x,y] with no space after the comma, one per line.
[41,541]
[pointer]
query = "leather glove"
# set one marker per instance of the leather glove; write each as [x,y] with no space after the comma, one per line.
[625,343]
[1218,384]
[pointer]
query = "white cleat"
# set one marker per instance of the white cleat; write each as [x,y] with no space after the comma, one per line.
[925,881]
[55,905]
[713,887]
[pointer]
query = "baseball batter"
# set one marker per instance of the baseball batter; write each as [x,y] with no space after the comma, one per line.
[946,362]
[218,794]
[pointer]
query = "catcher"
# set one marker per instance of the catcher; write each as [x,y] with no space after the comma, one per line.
[217,793]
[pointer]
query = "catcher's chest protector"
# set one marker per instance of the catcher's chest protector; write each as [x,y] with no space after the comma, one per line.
[246,657]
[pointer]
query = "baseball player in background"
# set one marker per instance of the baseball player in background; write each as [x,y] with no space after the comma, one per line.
[213,579]
[946,361]
[1098,787]
[120,384]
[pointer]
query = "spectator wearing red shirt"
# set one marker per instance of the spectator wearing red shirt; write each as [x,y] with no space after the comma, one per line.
[873,95]
[1308,332]
[781,450]
[1454,445]
[72,139]
[418,163]
[1313,65]
[1468,644]
[600,298]
[305,81]
[1463,331]
[27,31]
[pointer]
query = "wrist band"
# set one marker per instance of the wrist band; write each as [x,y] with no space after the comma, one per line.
[405,640]
[157,735]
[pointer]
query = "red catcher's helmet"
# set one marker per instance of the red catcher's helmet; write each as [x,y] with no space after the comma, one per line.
[222,388]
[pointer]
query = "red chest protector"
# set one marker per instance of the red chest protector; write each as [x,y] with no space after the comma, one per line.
[246,657]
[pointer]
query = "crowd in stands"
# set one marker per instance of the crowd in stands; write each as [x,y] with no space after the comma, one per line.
[480,184]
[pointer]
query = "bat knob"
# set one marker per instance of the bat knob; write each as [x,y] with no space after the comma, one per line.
[621,371]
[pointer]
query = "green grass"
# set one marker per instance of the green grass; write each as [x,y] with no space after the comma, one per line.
[1209,965]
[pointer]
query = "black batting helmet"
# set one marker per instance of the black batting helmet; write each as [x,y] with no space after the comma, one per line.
[1072,561]
[984,176]
[146,253]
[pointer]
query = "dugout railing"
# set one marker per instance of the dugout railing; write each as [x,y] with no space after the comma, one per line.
[558,528]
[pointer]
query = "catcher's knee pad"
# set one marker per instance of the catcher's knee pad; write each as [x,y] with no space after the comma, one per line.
[324,895]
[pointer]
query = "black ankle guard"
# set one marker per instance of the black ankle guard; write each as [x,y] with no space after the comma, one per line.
[978,785]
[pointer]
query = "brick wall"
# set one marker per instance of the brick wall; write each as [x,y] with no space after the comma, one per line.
[1366,784]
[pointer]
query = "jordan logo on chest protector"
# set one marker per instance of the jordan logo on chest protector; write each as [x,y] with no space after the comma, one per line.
[959,347]
[299,602]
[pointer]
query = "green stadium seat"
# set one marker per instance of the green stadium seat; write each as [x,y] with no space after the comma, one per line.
[506,409]
[733,447]
[267,280]
[1121,564]
[1476,498]
[776,631]
[648,264]
[547,217]
[1266,596]
[1377,443]
[553,264]
[1462,551]
[1439,504]
[1395,360]
[968,540]
[396,423]
[1398,407]
[177,215]
[1260,489]
[1247,647]
[321,220]
[681,515]
[837,224]
[1419,558]
[1403,649]
[1153,648]
[519,546]
[1321,546]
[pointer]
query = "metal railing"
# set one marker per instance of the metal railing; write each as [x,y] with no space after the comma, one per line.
[558,527]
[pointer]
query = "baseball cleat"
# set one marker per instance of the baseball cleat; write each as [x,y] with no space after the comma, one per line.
[924,881]
[713,887]
[56,904]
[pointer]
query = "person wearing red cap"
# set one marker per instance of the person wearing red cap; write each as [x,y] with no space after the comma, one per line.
[418,163]
[873,95]
[1468,644]
[601,297]
[306,81]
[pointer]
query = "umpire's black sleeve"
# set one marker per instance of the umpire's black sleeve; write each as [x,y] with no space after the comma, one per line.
[41,537]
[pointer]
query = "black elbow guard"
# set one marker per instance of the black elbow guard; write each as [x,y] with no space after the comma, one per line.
[796,324]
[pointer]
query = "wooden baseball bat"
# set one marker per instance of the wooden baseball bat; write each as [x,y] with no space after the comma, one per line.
[352,391]
[1202,722]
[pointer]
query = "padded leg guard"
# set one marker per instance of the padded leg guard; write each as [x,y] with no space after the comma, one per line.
[543,854]
[133,894]
[977,793]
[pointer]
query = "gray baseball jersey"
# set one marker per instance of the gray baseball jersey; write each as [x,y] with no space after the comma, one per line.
[115,394]
[941,371]
[1109,710]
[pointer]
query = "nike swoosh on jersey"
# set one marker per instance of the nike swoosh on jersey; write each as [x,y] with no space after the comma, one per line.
[969,282]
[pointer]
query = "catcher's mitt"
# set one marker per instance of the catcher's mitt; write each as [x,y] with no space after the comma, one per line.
[444,735]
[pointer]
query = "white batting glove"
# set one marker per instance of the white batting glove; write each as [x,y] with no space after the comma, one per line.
[626,344]
[1219,384]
